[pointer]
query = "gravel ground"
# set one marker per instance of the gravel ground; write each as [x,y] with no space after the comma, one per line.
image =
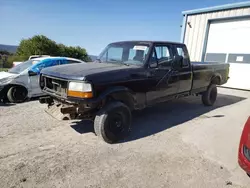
[176,144]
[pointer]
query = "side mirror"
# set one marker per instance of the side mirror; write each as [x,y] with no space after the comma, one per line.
[153,64]
[32,73]
[178,62]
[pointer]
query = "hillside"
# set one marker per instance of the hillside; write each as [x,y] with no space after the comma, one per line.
[93,57]
[8,48]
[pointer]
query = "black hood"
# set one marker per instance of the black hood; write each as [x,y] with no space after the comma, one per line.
[91,71]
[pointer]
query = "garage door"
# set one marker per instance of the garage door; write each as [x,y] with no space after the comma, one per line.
[229,42]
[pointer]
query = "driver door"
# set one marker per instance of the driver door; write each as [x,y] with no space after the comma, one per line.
[163,79]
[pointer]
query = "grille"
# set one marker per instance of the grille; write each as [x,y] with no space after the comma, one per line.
[54,86]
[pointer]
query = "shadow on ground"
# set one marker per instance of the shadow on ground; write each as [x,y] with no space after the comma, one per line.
[2,104]
[84,126]
[166,115]
[6,103]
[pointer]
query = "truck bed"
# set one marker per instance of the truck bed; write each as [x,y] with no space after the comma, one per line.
[203,71]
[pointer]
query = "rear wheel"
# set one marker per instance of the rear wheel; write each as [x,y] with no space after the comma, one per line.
[17,94]
[113,122]
[209,97]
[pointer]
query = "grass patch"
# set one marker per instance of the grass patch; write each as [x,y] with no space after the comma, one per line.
[4,69]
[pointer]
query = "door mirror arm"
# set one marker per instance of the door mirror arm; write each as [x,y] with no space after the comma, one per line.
[153,65]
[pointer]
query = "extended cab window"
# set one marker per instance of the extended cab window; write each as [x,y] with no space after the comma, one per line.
[162,56]
[182,52]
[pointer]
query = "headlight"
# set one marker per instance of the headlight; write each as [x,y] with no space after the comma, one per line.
[80,89]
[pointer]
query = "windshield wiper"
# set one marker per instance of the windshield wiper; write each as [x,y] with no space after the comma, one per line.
[118,61]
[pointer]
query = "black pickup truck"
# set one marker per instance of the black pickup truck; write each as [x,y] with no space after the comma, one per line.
[127,76]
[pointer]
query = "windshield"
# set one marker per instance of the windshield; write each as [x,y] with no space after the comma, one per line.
[125,53]
[22,66]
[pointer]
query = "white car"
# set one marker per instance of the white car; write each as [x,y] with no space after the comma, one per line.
[15,63]
[22,81]
[37,56]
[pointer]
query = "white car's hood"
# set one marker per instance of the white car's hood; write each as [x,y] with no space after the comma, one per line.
[5,75]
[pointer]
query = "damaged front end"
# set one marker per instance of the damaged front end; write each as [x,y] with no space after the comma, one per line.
[62,110]
[60,105]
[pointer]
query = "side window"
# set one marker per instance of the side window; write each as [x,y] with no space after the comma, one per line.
[162,56]
[184,54]
[48,63]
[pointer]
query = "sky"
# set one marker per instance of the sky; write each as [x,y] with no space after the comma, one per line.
[93,24]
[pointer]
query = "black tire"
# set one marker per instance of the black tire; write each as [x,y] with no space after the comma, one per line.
[209,97]
[113,122]
[17,94]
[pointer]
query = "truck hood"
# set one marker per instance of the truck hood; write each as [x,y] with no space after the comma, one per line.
[5,75]
[90,71]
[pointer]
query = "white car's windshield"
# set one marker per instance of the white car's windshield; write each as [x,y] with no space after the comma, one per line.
[23,66]
[125,53]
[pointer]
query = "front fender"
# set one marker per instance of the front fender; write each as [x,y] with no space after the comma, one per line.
[131,99]
[112,90]
[119,93]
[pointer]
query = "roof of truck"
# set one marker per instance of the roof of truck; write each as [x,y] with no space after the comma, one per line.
[148,42]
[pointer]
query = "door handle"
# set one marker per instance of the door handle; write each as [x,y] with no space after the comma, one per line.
[175,72]
[150,74]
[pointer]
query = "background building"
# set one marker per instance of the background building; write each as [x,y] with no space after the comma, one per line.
[221,34]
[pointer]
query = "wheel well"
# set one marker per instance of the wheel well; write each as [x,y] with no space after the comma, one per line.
[216,80]
[124,97]
[7,87]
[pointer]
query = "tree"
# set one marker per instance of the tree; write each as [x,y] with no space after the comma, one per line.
[13,58]
[41,45]
[4,52]
[4,55]
[76,52]
[37,45]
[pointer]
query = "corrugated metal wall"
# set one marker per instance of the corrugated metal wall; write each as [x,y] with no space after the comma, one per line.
[194,37]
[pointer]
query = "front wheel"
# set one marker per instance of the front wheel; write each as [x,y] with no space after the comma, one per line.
[17,94]
[209,97]
[113,122]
